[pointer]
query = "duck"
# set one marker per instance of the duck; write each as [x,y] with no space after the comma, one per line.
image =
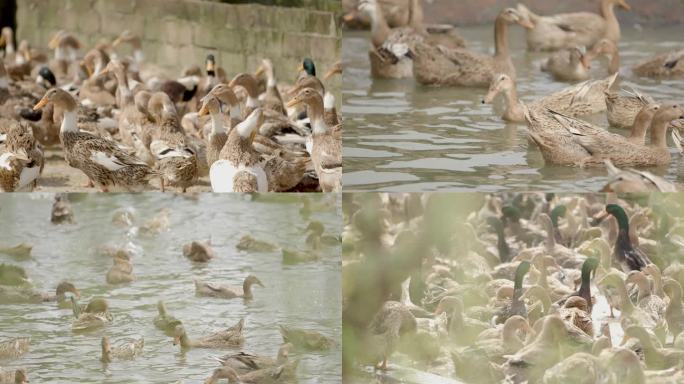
[243,362]
[176,161]
[576,312]
[674,314]
[280,374]
[218,136]
[305,339]
[17,376]
[336,69]
[128,349]
[102,160]
[27,294]
[165,322]
[248,83]
[663,65]
[654,357]
[228,338]
[608,48]
[648,301]
[271,99]
[121,270]
[61,210]
[326,145]
[203,288]
[198,251]
[22,163]
[515,306]
[586,145]
[440,66]
[632,314]
[462,329]
[443,34]
[316,231]
[249,243]
[578,100]
[396,12]
[567,30]
[567,65]
[19,251]
[94,315]
[589,265]
[626,254]
[621,110]
[14,348]
[392,322]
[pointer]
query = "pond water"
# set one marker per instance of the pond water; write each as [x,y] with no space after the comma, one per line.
[401,136]
[306,295]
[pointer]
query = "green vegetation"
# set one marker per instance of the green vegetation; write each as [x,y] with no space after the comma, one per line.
[322,5]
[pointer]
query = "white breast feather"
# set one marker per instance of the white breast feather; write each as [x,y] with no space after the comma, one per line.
[110,162]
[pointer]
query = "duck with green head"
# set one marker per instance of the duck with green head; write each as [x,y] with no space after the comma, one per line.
[626,254]
[556,213]
[501,244]
[516,305]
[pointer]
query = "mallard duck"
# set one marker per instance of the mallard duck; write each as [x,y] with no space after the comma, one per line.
[515,306]
[176,161]
[581,99]
[306,339]
[576,311]
[654,357]
[326,148]
[669,64]
[203,288]
[243,362]
[164,321]
[330,111]
[128,349]
[462,329]
[94,315]
[279,374]
[460,67]
[198,251]
[13,348]
[231,337]
[628,256]
[61,210]
[590,265]
[249,243]
[568,30]
[17,376]
[22,163]
[567,65]
[100,159]
[389,324]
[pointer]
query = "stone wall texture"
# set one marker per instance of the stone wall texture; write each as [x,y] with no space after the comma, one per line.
[469,12]
[180,33]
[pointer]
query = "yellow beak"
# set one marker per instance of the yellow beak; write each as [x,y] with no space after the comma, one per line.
[40,104]
[259,71]
[301,67]
[116,42]
[203,111]
[292,102]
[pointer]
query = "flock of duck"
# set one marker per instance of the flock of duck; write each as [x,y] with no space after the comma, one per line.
[122,122]
[527,288]
[16,287]
[402,46]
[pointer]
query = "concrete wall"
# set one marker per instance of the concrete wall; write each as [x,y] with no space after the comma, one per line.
[179,33]
[468,12]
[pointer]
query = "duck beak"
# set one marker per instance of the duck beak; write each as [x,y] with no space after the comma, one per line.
[525,23]
[624,5]
[259,71]
[294,101]
[586,61]
[211,66]
[203,111]
[489,97]
[599,218]
[301,67]
[104,72]
[40,104]
[349,17]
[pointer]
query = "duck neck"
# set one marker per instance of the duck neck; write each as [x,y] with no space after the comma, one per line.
[514,110]
[217,123]
[501,37]
[379,28]
[4,82]
[644,288]
[185,341]
[614,63]
[316,116]
[70,119]
[658,132]
[640,126]
[122,83]
[612,23]
[626,302]
[502,245]
[585,287]
[247,289]
[416,16]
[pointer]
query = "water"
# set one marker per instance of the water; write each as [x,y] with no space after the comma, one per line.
[306,296]
[400,136]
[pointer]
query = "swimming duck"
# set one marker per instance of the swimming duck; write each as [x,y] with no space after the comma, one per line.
[198,251]
[460,67]
[13,275]
[515,306]
[389,324]
[578,100]
[294,256]
[22,163]
[176,161]
[17,376]
[326,147]
[223,291]
[61,210]
[306,339]
[243,362]
[249,243]
[164,321]
[567,65]
[669,65]
[128,349]
[94,315]
[100,159]
[280,374]
[27,294]
[13,348]
[230,337]
[121,270]
[622,110]
[317,235]
[608,48]
[568,30]
[654,357]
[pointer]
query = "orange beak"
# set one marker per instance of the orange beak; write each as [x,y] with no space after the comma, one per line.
[293,102]
[40,104]
[203,111]
[526,24]
[259,71]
